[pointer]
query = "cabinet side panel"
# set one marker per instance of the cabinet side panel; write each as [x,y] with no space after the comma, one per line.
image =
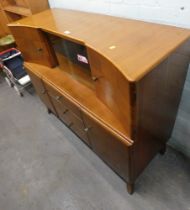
[112,88]
[158,98]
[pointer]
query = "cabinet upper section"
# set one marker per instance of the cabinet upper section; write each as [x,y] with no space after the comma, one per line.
[134,47]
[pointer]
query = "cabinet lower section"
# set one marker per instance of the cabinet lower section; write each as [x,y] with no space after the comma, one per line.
[99,139]
[102,142]
[126,160]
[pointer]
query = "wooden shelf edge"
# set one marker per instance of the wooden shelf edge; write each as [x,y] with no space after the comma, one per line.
[18,10]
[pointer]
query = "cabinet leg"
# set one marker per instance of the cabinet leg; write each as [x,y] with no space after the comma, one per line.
[163,150]
[49,111]
[130,188]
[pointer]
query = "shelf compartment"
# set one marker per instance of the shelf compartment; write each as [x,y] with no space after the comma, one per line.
[72,58]
[18,10]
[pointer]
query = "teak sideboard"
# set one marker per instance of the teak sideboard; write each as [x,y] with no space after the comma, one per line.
[115,82]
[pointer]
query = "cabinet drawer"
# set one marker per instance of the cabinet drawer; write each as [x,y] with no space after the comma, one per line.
[61,110]
[57,96]
[77,126]
[71,120]
[67,112]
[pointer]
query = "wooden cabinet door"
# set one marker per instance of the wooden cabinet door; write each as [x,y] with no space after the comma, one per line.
[109,148]
[40,89]
[33,45]
[67,112]
[112,88]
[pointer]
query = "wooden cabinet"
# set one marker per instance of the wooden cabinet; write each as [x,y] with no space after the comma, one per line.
[109,90]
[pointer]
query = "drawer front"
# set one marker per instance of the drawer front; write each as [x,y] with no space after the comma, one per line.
[57,96]
[72,107]
[77,126]
[68,112]
[71,120]
[61,110]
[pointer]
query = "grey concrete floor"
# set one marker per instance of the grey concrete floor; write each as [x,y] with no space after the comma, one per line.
[44,166]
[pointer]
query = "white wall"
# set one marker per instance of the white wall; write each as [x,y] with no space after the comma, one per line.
[173,12]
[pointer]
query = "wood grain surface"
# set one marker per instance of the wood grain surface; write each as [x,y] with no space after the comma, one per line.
[134,47]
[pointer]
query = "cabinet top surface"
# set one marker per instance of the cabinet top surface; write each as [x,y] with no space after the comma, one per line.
[134,47]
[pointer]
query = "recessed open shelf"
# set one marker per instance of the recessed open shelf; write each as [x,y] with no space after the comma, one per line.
[72,58]
[18,10]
